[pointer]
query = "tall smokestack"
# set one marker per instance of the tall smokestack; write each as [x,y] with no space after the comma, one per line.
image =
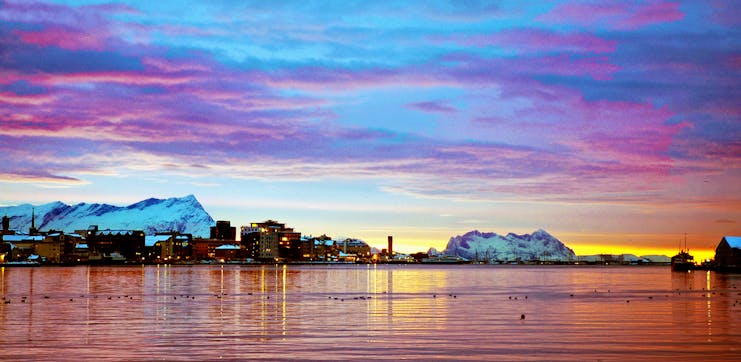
[391,246]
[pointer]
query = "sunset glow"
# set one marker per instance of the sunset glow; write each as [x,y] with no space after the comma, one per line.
[614,125]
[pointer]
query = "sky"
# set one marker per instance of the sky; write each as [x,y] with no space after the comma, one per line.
[614,125]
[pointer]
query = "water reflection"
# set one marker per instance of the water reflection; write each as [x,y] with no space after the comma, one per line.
[366,311]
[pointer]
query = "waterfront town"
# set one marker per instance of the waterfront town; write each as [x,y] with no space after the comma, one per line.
[265,242]
[260,242]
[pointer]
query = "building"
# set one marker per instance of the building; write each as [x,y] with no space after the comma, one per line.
[115,245]
[250,240]
[728,253]
[80,253]
[391,246]
[223,231]
[20,247]
[325,248]
[316,248]
[205,249]
[356,247]
[53,248]
[168,246]
[228,252]
[6,227]
[271,240]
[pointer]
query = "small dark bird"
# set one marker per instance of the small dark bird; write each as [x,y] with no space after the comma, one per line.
[522,316]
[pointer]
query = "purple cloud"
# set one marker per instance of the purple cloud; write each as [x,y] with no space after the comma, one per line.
[614,14]
[567,114]
[432,107]
[538,41]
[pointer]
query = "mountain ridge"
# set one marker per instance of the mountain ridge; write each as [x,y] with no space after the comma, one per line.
[183,214]
[540,245]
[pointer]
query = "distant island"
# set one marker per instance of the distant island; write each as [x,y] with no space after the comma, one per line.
[179,230]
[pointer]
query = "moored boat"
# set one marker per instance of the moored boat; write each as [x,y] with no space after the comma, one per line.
[683,261]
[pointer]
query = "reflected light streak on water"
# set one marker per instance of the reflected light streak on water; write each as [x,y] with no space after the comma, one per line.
[421,312]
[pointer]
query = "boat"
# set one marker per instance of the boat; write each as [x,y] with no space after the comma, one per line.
[683,261]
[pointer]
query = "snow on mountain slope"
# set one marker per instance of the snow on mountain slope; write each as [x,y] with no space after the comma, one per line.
[184,214]
[539,245]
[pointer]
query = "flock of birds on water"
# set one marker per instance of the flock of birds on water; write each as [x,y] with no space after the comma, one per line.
[703,294]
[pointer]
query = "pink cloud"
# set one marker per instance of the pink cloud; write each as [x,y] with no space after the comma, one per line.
[597,141]
[29,100]
[615,14]
[37,177]
[64,37]
[654,12]
[132,78]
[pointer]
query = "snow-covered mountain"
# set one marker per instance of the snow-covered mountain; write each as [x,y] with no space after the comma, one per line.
[539,245]
[183,214]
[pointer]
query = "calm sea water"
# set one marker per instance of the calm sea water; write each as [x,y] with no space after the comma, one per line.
[422,312]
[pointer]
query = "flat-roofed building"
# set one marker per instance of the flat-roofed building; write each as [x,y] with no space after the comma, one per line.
[271,240]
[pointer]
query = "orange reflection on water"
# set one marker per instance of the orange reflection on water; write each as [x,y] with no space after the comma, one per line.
[368,311]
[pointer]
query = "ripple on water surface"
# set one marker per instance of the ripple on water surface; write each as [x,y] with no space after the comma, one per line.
[359,312]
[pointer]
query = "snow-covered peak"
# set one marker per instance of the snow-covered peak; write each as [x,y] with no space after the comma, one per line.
[540,245]
[184,214]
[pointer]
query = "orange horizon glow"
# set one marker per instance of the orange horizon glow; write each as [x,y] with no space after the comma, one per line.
[701,248]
